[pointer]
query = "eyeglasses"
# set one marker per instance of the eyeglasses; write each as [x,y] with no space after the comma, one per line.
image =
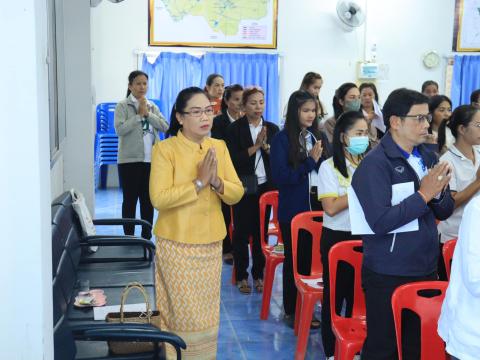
[420,118]
[197,112]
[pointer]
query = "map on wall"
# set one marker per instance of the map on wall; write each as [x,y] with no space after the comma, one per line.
[213,23]
[467,25]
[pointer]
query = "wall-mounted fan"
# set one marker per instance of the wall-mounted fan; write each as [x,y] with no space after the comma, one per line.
[351,14]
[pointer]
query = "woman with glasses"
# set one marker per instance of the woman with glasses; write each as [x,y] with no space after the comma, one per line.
[137,123]
[214,88]
[297,152]
[440,106]
[191,175]
[231,111]
[350,142]
[248,140]
[347,98]
[464,157]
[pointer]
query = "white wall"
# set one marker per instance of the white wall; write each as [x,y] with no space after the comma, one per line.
[80,125]
[309,39]
[25,268]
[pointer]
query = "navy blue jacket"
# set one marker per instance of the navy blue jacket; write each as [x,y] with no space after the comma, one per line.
[414,253]
[292,184]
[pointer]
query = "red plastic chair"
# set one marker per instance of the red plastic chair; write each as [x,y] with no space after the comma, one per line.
[272,259]
[428,309]
[307,295]
[447,252]
[350,333]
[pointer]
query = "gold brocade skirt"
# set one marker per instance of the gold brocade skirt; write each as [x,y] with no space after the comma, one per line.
[187,284]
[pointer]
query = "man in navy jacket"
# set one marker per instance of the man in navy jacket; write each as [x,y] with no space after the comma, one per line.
[391,260]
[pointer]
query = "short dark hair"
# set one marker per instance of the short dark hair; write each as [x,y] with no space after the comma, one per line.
[475,96]
[428,83]
[212,77]
[399,103]
[369,85]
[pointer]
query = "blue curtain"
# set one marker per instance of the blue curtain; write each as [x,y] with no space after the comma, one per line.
[465,78]
[173,72]
[169,74]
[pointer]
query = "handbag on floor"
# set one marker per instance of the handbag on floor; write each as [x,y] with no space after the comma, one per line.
[147,317]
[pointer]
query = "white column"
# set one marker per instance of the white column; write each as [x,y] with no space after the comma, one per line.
[25,237]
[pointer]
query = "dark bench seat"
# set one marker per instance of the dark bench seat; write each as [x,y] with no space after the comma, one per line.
[118,261]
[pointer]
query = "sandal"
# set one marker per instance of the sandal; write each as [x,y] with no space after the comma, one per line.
[258,285]
[243,287]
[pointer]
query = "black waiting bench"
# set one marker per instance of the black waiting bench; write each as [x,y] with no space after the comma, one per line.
[118,261]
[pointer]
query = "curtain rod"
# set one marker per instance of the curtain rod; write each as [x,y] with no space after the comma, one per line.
[151,52]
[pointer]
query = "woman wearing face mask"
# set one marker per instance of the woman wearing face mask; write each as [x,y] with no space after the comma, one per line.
[137,123]
[214,88]
[231,111]
[347,98]
[248,140]
[350,142]
[297,152]
[440,106]
[372,112]
[191,174]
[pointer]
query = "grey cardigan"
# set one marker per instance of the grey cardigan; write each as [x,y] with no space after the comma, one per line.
[128,126]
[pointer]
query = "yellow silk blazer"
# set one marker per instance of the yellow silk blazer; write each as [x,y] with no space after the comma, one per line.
[184,215]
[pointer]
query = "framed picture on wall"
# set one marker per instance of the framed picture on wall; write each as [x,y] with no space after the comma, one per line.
[466,36]
[213,23]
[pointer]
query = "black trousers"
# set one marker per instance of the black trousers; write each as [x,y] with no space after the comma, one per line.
[381,340]
[344,286]
[304,264]
[134,179]
[246,219]
[227,242]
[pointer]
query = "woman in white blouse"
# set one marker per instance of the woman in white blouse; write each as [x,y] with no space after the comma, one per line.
[350,141]
[464,158]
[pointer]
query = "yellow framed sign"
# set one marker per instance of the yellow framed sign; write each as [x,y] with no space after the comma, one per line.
[213,23]
[466,35]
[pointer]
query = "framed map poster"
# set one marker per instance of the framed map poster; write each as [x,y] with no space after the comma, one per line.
[466,35]
[213,23]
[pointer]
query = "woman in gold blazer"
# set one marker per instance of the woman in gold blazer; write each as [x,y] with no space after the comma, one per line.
[191,174]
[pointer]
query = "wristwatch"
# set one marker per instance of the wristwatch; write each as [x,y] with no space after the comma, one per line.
[198,184]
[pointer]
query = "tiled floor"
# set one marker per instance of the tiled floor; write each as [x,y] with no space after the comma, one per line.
[242,335]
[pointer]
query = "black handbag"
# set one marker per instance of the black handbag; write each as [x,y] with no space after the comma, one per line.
[250,184]
[250,181]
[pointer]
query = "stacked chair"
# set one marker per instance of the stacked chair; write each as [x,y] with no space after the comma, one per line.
[106,142]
